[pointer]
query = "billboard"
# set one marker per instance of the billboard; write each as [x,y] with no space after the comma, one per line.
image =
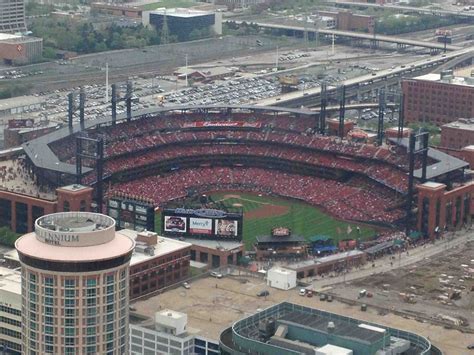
[226,227]
[131,214]
[175,224]
[200,226]
[201,124]
[202,223]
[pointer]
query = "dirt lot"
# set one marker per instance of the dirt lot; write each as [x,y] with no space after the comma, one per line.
[438,289]
[214,304]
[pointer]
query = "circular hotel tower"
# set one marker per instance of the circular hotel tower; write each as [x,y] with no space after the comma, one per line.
[75,285]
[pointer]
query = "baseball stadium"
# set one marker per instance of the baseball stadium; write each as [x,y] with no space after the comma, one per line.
[271,162]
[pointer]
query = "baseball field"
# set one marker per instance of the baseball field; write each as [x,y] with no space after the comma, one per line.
[262,213]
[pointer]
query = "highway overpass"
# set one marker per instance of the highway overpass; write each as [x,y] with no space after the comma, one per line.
[374,39]
[366,83]
[407,9]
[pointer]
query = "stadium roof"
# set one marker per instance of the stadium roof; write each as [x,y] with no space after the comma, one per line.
[42,156]
[277,240]
[379,247]
[444,163]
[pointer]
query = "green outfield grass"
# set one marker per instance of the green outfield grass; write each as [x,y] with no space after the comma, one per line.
[301,218]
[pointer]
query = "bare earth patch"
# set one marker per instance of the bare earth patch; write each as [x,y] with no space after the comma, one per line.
[267,211]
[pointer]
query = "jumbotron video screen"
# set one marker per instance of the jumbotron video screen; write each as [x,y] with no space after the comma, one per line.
[202,223]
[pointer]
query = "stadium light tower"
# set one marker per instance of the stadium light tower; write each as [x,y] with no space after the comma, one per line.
[417,144]
[381,116]
[401,116]
[341,90]
[91,149]
[322,112]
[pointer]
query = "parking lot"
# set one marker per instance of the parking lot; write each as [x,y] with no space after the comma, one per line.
[215,304]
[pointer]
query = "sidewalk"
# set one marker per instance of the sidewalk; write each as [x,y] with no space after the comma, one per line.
[383,264]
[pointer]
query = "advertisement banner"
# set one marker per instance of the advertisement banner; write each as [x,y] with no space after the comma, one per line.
[201,124]
[226,227]
[200,226]
[175,224]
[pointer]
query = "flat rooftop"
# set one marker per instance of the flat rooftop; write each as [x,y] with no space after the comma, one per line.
[325,259]
[181,12]
[19,181]
[10,280]
[164,246]
[215,244]
[212,309]
[466,124]
[456,80]
[20,101]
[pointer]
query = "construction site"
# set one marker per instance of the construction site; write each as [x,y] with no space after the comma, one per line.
[436,290]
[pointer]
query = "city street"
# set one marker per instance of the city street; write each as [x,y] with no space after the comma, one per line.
[404,259]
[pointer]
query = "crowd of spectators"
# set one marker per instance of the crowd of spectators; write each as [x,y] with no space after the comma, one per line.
[382,173]
[343,200]
[148,133]
[175,139]
[16,177]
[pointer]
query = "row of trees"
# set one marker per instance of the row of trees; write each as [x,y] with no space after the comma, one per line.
[395,24]
[83,37]
[86,37]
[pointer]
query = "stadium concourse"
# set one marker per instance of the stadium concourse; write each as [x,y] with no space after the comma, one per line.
[162,155]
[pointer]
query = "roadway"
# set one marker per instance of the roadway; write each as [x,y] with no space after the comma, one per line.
[358,35]
[383,264]
[461,13]
[364,82]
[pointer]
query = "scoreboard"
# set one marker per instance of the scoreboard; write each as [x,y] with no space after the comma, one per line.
[202,223]
[131,214]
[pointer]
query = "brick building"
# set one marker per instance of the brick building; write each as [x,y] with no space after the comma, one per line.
[117,10]
[438,98]
[440,209]
[156,263]
[347,21]
[330,263]
[16,49]
[216,253]
[458,134]
[19,211]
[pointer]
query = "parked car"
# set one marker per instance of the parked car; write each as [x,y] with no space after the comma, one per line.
[263,293]
[302,292]
[186,285]
[216,275]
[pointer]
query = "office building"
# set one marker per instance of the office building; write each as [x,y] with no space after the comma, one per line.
[458,134]
[156,263]
[169,335]
[19,49]
[75,285]
[438,98]
[287,328]
[10,311]
[182,22]
[12,16]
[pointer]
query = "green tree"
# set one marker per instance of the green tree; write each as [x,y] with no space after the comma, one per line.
[7,237]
